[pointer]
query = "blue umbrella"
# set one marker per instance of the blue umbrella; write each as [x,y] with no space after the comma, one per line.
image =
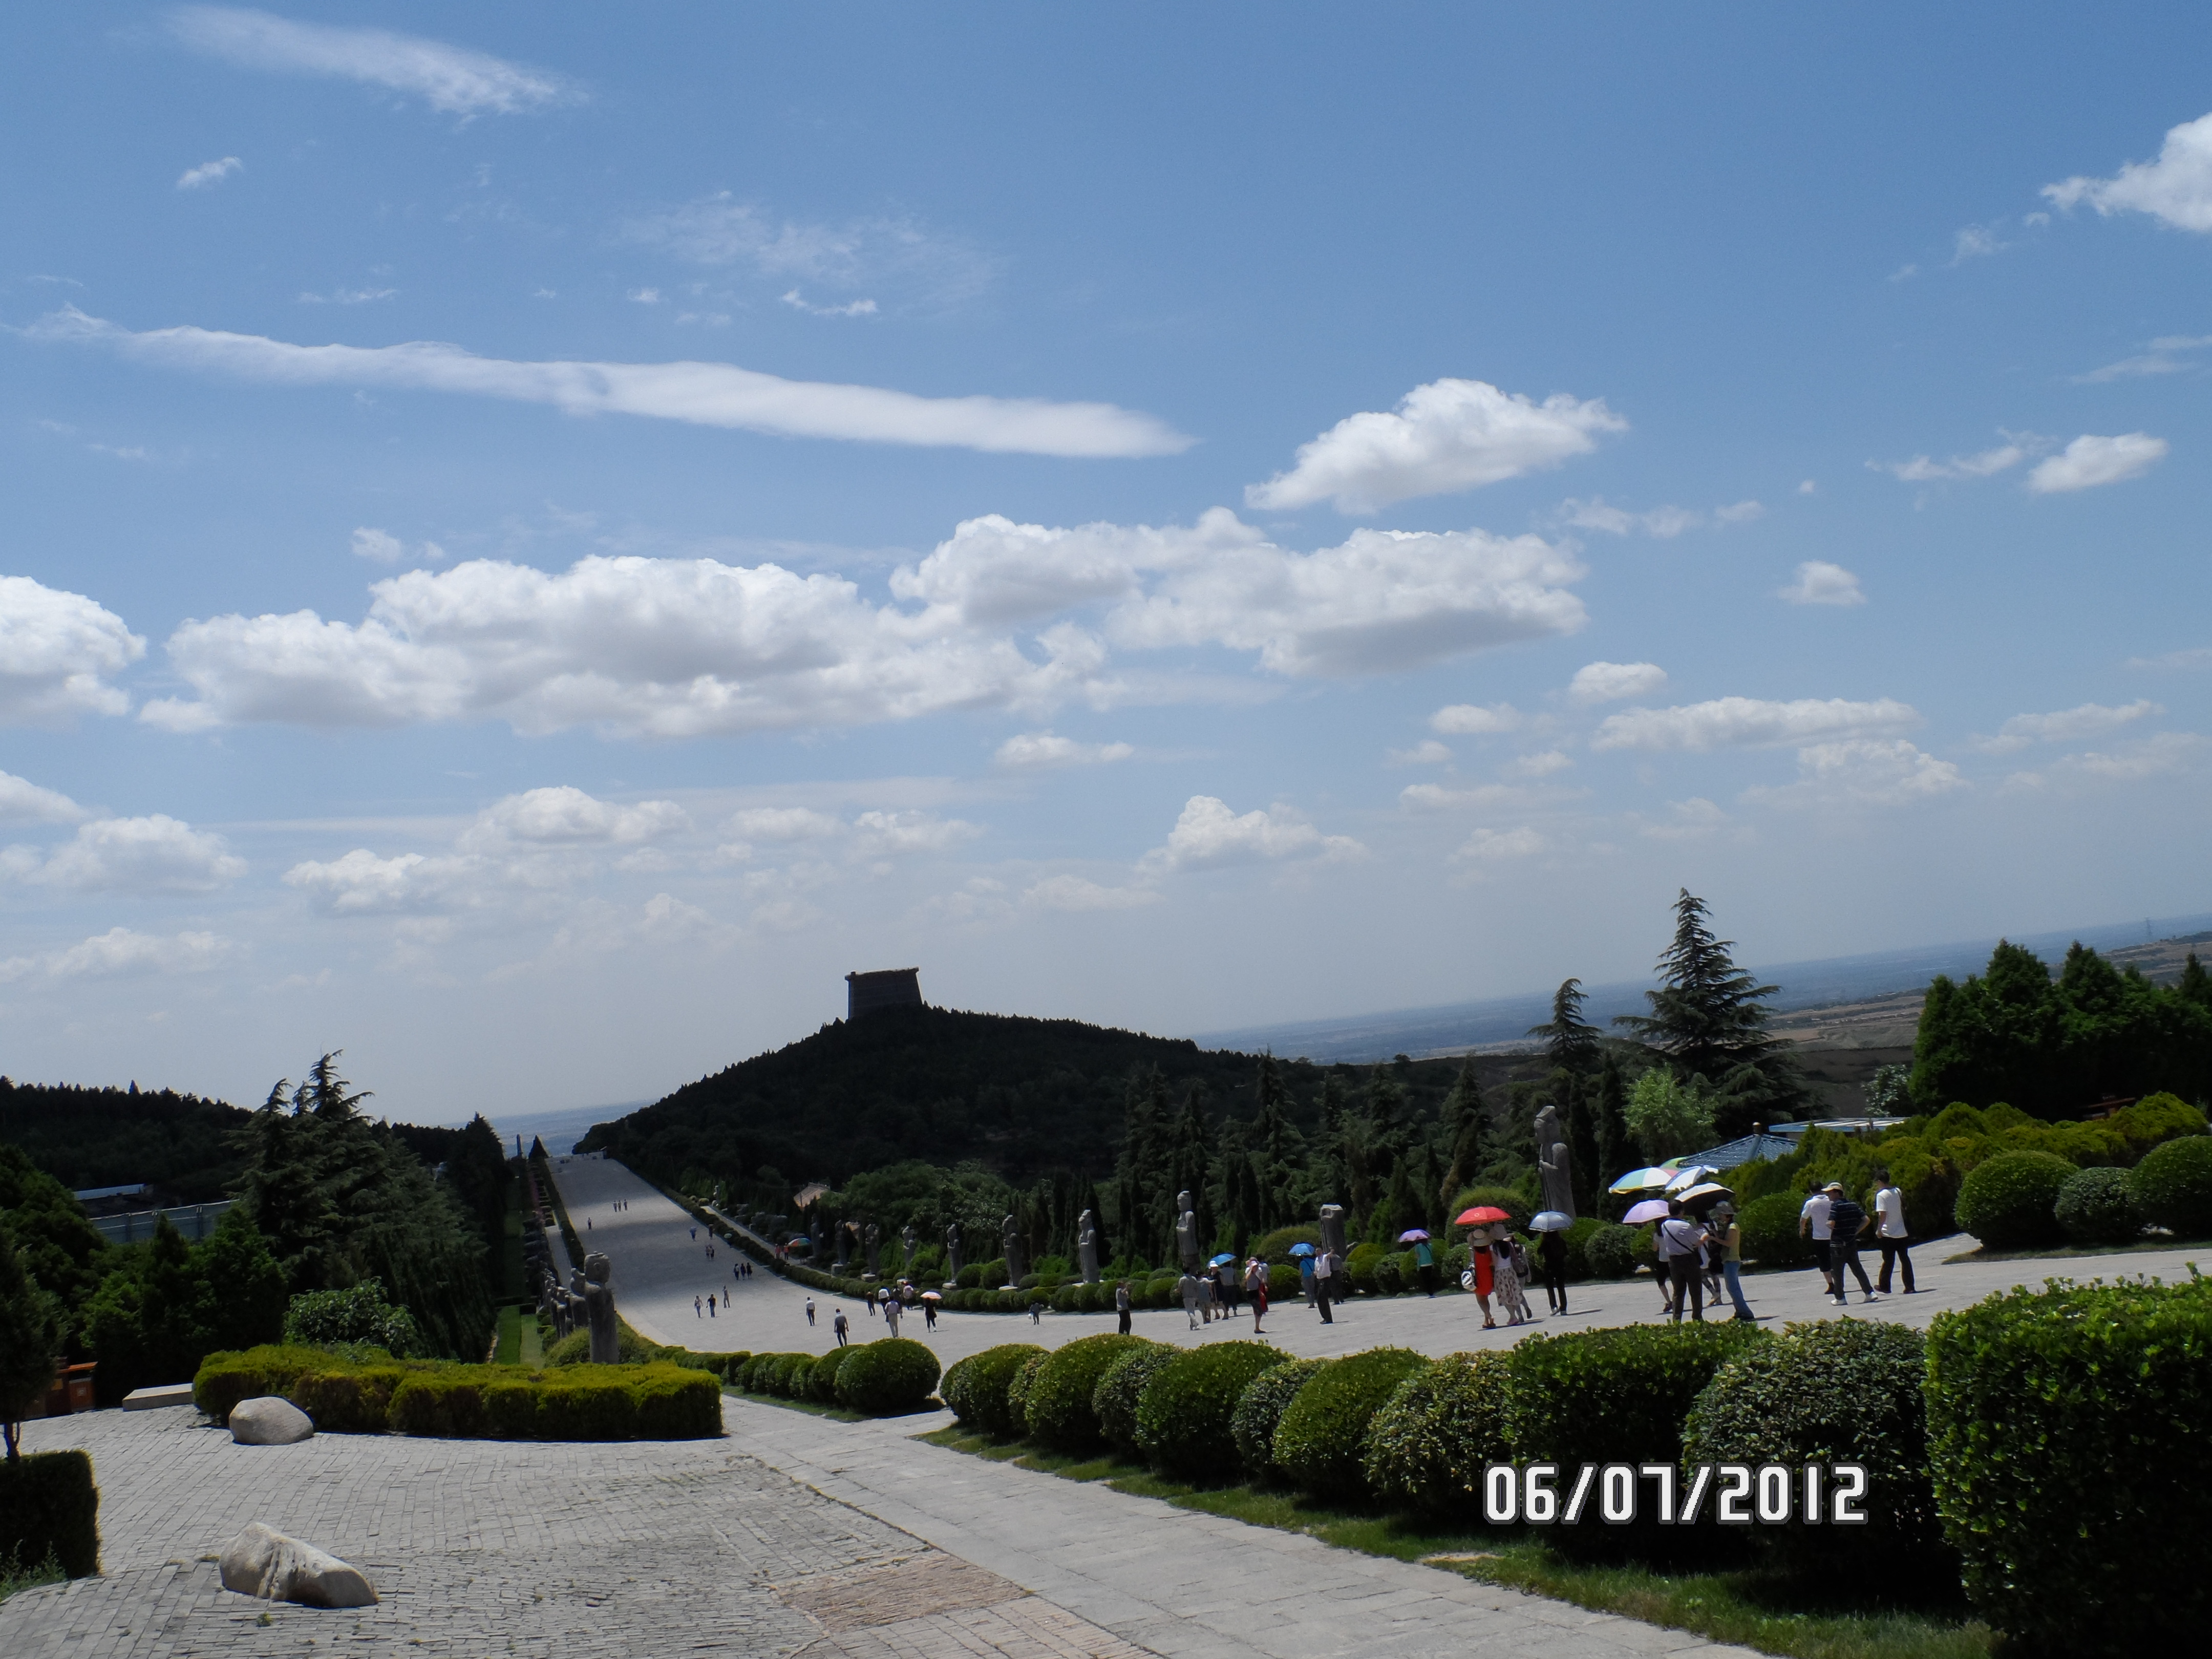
[1218,1260]
[1303,1249]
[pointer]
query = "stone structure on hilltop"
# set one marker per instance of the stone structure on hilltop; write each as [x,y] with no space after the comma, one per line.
[888,987]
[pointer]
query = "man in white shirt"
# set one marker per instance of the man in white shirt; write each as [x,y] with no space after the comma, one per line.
[1681,1248]
[1324,1283]
[1812,1222]
[1889,1232]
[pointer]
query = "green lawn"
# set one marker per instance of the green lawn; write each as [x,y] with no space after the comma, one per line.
[509,1351]
[1747,1607]
[13,1578]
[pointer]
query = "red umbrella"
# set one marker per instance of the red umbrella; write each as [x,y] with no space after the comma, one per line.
[1481,1216]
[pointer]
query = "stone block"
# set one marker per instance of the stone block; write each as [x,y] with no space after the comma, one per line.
[266,1563]
[269,1421]
[165,1393]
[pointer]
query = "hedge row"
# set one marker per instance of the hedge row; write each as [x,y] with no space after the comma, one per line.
[659,1402]
[48,1503]
[882,1378]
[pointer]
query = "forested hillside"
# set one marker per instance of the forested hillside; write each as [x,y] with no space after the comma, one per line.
[179,1144]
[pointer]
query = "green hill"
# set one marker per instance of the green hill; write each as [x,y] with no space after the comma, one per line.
[111,1137]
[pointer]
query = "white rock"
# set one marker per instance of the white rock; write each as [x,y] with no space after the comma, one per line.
[263,1562]
[269,1421]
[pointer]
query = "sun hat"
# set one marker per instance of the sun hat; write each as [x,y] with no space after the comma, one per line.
[1834,1187]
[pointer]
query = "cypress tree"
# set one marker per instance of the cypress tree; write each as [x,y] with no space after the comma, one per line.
[1615,1144]
[1708,1017]
[1570,1042]
[30,1343]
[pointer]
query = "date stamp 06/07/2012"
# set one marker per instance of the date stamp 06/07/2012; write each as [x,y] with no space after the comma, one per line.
[1739,1494]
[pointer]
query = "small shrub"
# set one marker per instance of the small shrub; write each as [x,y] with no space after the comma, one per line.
[1577,1241]
[2097,1206]
[1360,1266]
[575,1348]
[1321,1443]
[891,1375]
[1120,1391]
[1769,1226]
[1276,1246]
[356,1400]
[358,1314]
[976,1388]
[1843,1390]
[1017,1389]
[821,1383]
[2007,1202]
[2172,1187]
[1610,1249]
[49,1506]
[1260,1410]
[2072,1468]
[1394,1273]
[1432,1439]
[1183,1412]
[1058,1408]
[1284,1284]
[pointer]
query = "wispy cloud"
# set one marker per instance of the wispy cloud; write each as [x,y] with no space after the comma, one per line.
[905,259]
[856,309]
[1752,722]
[1037,751]
[1820,582]
[1987,464]
[2164,356]
[2090,719]
[2176,188]
[120,951]
[703,394]
[1663,522]
[2090,461]
[452,79]
[208,173]
[348,296]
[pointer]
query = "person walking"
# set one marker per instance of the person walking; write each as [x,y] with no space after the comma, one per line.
[1425,1264]
[1551,1252]
[1508,1281]
[809,1311]
[1258,1292]
[1681,1252]
[838,1324]
[695,1307]
[1481,1274]
[1186,1287]
[928,1316]
[1812,1222]
[1037,1312]
[710,1304]
[1891,1233]
[1323,1280]
[1724,1240]
[1846,1221]
[1121,1303]
[891,1315]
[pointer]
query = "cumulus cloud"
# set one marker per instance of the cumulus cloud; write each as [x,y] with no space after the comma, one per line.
[1031,751]
[361,884]
[2176,188]
[24,802]
[1863,772]
[881,835]
[208,173]
[2090,461]
[566,815]
[1611,682]
[2089,720]
[1208,833]
[1475,719]
[119,952]
[1748,723]
[1482,796]
[1446,436]
[1663,522]
[58,651]
[699,394]
[784,824]
[1820,582]
[454,80]
[154,855]
[901,254]
[1497,846]
[1921,470]
[1541,765]
[1429,752]
[1075,893]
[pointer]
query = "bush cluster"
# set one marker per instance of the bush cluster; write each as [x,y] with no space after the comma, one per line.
[2097,1206]
[1260,1411]
[1121,1390]
[48,1503]
[891,1375]
[1321,1441]
[2172,1187]
[1769,1226]
[2007,1202]
[1018,1387]
[976,1388]
[1433,1437]
[1057,1405]
[356,1314]
[1184,1408]
[1610,1250]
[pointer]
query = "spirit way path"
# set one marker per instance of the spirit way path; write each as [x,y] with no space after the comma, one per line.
[658,1267]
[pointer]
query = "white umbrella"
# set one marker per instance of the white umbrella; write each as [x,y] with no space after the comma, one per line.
[1642,1181]
[1690,1175]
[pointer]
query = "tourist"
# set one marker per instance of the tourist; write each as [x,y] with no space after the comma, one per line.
[1891,1234]
[1425,1263]
[838,1324]
[809,1311]
[1551,1251]
[696,1314]
[1259,1285]
[928,1314]
[1508,1279]
[1724,1239]
[710,1304]
[1481,1274]
[891,1316]
[1121,1305]
[1681,1252]
[1812,1222]
[1324,1279]
[1846,1221]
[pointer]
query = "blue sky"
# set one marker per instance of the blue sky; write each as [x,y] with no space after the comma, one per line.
[536,538]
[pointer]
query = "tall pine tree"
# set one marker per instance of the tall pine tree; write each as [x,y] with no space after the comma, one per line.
[1571,1042]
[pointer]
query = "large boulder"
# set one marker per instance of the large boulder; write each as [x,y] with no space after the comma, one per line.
[265,1563]
[269,1421]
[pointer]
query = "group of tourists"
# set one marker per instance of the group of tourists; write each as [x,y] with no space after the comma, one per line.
[1835,1224]
[1696,1259]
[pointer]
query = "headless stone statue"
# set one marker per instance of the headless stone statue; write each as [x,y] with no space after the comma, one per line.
[1332,1229]
[1086,1246]
[952,1253]
[1186,1232]
[1555,1162]
[600,1309]
[1018,1260]
[874,1236]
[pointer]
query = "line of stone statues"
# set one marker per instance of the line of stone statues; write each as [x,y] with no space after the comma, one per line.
[586,1303]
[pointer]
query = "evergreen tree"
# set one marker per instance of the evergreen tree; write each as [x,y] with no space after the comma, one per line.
[1570,1042]
[1614,1147]
[30,1343]
[1279,1149]
[1193,1165]
[1466,1121]
[1709,1017]
[2196,985]
[1329,1179]
[1141,1168]
[1576,1100]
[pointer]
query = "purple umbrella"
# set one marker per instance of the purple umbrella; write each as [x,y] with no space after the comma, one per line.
[1413,1236]
[1651,1209]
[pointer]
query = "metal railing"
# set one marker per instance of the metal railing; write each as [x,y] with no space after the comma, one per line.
[194,1221]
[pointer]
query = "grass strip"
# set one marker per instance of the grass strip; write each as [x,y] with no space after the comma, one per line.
[1749,1609]
[507,1350]
[13,1577]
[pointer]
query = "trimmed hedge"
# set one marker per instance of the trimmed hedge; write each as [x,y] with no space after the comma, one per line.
[1121,1390]
[2172,1187]
[2072,1466]
[1321,1443]
[976,1388]
[2098,1206]
[821,1384]
[1017,1389]
[49,1506]
[1057,1408]
[575,1348]
[891,1374]
[1609,1249]
[1843,1390]
[1182,1415]
[1769,1225]
[1252,1426]
[1431,1441]
[2007,1202]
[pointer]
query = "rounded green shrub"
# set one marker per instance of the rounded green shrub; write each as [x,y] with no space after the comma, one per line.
[2172,1187]
[1058,1404]
[1276,1246]
[49,1506]
[2008,1201]
[1017,1389]
[1578,1237]
[1503,1198]
[1839,1391]
[892,1374]
[1769,1225]
[1360,1266]
[1321,1444]
[1284,1284]
[976,1388]
[1610,1249]
[575,1348]
[1184,1413]
[2098,1206]
[1252,1426]
[1432,1439]
[821,1384]
[1121,1389]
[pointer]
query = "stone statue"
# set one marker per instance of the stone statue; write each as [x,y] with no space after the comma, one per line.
[1018,1260]
[874,1236]
[906,1238]
[1332,1229]
[952,1252]
[600,1309]
[1186,1232]
[844,1243]
[1555,1161]
[1086,1246]
[814,1232]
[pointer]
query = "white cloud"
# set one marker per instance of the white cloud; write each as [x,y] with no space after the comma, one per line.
[1921,470]
[378,545]
[2089,461]
[1733,722]
[1075,893]
[902,255]
[1820,582]
[853,309]
[58,650]
[2164,357]
[1495,845]
[992,572]
[1539,765]
[1446,436]
[361,884]
[1610,682]
[1209,834]
[2196,656]
[1028,751]
[1483,797]
[1693,819]
[700,394]
[1863,772]
[1428,752]
[1474,718]
[348,296]
[567,816]
[24,802]
[646,296]
[156,854]
[208,173]
[785,824]
[451,79]
[2160,755]
[881,835]
[1742,511]
[1976,242]
[1663,522]
[2066,726]
[119,952]
[2176,188]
